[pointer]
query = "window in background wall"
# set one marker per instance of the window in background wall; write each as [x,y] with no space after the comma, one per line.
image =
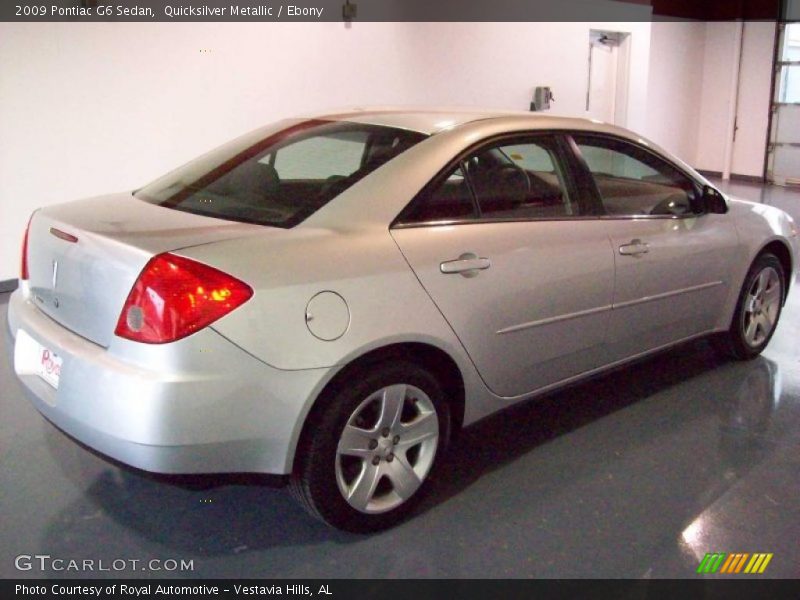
[783,152]
[789,82]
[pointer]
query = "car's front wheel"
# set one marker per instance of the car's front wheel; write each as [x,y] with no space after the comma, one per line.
[371,447]
[758,309]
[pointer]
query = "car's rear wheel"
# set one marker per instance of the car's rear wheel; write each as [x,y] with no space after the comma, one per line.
[758,309]
[368,453]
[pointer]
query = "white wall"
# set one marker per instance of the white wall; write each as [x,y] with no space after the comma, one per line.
[87,109]
[92,108]
[714,102]
[675,85]
[499,64]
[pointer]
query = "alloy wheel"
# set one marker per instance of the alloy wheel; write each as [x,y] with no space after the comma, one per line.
[762,306]
[387,448]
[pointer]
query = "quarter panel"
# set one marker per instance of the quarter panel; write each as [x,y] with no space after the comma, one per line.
[364,267]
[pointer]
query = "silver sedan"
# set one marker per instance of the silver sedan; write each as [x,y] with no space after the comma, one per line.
[333,297]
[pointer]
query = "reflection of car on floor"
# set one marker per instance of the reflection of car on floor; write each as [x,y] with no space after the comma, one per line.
[331,297]
[747,412]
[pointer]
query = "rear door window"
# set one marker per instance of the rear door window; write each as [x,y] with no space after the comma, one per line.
[448,199]
[520,181]
[525,178]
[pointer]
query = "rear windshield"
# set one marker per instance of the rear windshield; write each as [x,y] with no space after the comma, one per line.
[279,175]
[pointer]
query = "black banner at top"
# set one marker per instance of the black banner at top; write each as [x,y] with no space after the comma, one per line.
[380,10]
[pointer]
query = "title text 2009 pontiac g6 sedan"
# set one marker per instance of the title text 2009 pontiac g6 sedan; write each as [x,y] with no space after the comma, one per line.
[333,297]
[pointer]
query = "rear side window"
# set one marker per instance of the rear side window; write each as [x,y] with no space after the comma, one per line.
[279,176]
[634,182]
[448,200]
[520,181]
[523,180]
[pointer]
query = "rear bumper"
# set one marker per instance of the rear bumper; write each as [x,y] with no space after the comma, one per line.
[199,405]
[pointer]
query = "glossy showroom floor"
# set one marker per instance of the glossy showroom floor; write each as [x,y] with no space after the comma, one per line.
[636,474]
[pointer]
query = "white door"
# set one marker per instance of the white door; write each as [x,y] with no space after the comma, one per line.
[606,94]
[603,81]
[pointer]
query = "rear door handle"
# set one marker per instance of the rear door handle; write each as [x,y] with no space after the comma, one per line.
[467,265]
[634,248]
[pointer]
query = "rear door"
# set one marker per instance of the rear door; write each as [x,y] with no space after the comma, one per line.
[673,261]
[520,268]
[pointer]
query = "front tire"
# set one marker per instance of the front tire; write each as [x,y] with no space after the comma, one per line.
[758,309]
[370,449]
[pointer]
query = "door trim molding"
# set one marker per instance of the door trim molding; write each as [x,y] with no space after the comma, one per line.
[556,319]
[686,290]
[599,309]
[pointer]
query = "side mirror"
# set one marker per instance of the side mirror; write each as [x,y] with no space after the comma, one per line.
[714,201]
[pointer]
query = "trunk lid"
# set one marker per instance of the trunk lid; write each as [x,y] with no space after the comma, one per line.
[84,256]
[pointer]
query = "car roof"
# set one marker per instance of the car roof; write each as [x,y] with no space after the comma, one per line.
[451,131]
[432,120]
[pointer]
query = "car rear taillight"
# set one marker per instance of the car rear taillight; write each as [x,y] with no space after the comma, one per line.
[23,268]
[176,296]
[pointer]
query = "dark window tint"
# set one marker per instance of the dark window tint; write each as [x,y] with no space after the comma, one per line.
[446,200]
[279,175]
[520,181]
[632,181]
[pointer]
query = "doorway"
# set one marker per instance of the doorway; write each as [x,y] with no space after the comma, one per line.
[607,84]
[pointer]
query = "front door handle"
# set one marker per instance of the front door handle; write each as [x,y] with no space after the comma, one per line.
[634,248]
[468,264]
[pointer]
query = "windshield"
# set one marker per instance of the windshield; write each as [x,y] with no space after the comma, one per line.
[279,175]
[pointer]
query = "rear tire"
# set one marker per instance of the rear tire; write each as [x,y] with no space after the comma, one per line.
[757,310]
[369,451]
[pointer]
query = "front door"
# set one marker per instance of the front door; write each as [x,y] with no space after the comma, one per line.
[673,261]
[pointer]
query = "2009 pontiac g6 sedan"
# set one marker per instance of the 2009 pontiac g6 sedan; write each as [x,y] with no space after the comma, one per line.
[333,297]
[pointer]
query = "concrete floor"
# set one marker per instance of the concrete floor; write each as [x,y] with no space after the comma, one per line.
[635,474]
